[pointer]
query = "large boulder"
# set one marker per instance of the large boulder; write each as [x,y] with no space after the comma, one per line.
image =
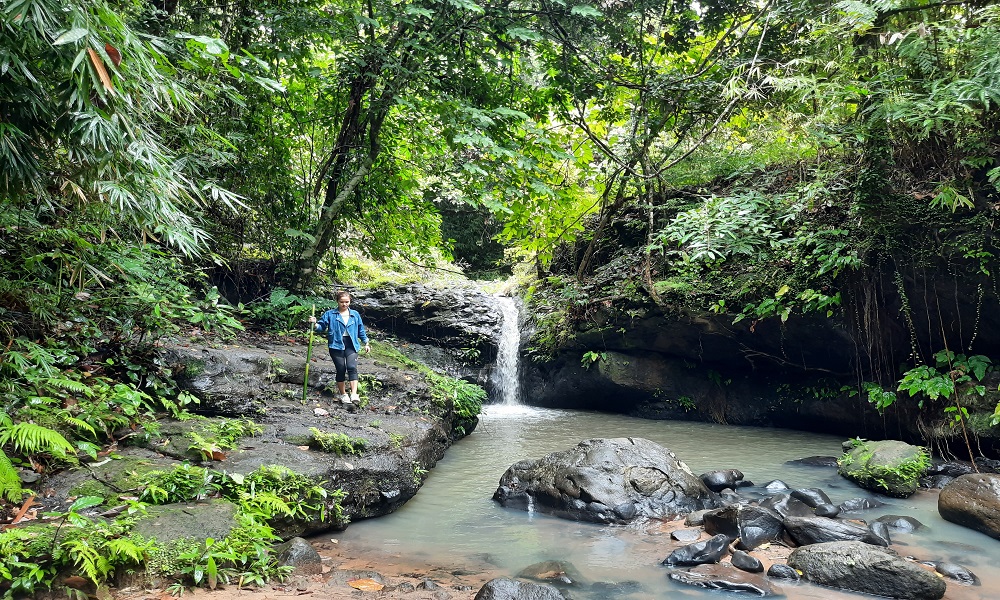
[889,467]
[817,530]
[867,569]
[973,501]
[606,481]
[503,588]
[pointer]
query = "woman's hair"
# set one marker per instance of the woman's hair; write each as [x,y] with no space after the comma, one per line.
[342,293]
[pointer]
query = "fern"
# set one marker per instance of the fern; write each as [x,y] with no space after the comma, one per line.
[268,504]
[29,438]
[89,559]
[10,482]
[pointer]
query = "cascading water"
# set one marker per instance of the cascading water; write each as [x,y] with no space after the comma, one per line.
[505,372]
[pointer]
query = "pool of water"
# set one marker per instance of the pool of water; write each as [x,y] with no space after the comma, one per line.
[453,518]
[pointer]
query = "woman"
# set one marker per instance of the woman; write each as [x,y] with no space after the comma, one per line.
[344,330]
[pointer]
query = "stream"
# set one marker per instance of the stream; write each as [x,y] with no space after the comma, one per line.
[453,519]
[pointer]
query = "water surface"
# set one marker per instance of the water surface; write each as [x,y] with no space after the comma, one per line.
[453,518]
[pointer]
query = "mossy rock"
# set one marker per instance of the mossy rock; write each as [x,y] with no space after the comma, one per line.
[110,478]
[888,467]
[194,521]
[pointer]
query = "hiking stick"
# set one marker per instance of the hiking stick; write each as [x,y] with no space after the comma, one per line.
[309,351]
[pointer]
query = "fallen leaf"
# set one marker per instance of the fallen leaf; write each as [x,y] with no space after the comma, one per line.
[218,455]
[75,581]
[102,73]
[366,585]
[302,447]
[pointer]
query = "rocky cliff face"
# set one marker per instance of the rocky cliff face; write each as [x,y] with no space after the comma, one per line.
[666,361]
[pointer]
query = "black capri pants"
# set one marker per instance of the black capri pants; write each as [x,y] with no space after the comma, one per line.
[346,361]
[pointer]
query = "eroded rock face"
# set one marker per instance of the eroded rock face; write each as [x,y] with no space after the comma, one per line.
[867,569]
[973,501]
[606,481]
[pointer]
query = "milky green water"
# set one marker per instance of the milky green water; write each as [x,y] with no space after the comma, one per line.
[453,518]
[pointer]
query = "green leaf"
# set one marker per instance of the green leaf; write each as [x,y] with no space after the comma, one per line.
[70,36]
[585,10]
[84,502]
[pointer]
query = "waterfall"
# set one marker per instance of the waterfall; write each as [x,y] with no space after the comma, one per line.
[505,372]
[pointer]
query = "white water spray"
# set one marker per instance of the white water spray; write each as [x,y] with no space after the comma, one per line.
[505,372]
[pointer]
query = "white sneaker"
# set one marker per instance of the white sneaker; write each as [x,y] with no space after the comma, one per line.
[355,398]
[344,399]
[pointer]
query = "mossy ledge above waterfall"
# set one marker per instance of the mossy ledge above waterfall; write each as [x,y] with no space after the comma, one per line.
[251,463]
[799,297]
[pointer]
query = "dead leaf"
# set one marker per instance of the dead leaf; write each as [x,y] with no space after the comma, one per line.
[24,508]
[366,585]
[75,581]
[113,54]
[302,447]
[102,73]
[218,455]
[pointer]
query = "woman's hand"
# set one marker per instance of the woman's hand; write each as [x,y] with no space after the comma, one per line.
[368,349]
[312,320]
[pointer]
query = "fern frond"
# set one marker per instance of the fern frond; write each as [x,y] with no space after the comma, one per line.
[69,385]
[10,483]
[91,562]
[270,504]
[30,438]
[5,420]
[126,548]
[80,424]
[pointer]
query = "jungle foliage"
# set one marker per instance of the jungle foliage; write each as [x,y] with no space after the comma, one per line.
[163,162]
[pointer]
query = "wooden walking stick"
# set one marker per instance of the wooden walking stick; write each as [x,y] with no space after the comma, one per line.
[309,351]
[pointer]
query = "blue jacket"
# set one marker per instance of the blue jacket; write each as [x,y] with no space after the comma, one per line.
[335,329]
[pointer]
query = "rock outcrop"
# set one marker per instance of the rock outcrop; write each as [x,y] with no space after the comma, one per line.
[973,501]
[606,481]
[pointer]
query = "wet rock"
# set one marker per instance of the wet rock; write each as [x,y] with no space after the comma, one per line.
[987,465]
[685,535]
[606,481]
[606,589]
[957,573]
[868,569]
[900,523]
[881,531]
[973,501]
[711,550]
[299,554]
[721,480]
[935,482]
[745,562]
[503,588]
[776,485]
[815,461]
[715,577]
[950,468]
[752,525]
[883,466]
[552,571]
[817,530]
[827,510]
[696,518]
[783,571]
[811,497]
[786,506]
[856,505]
